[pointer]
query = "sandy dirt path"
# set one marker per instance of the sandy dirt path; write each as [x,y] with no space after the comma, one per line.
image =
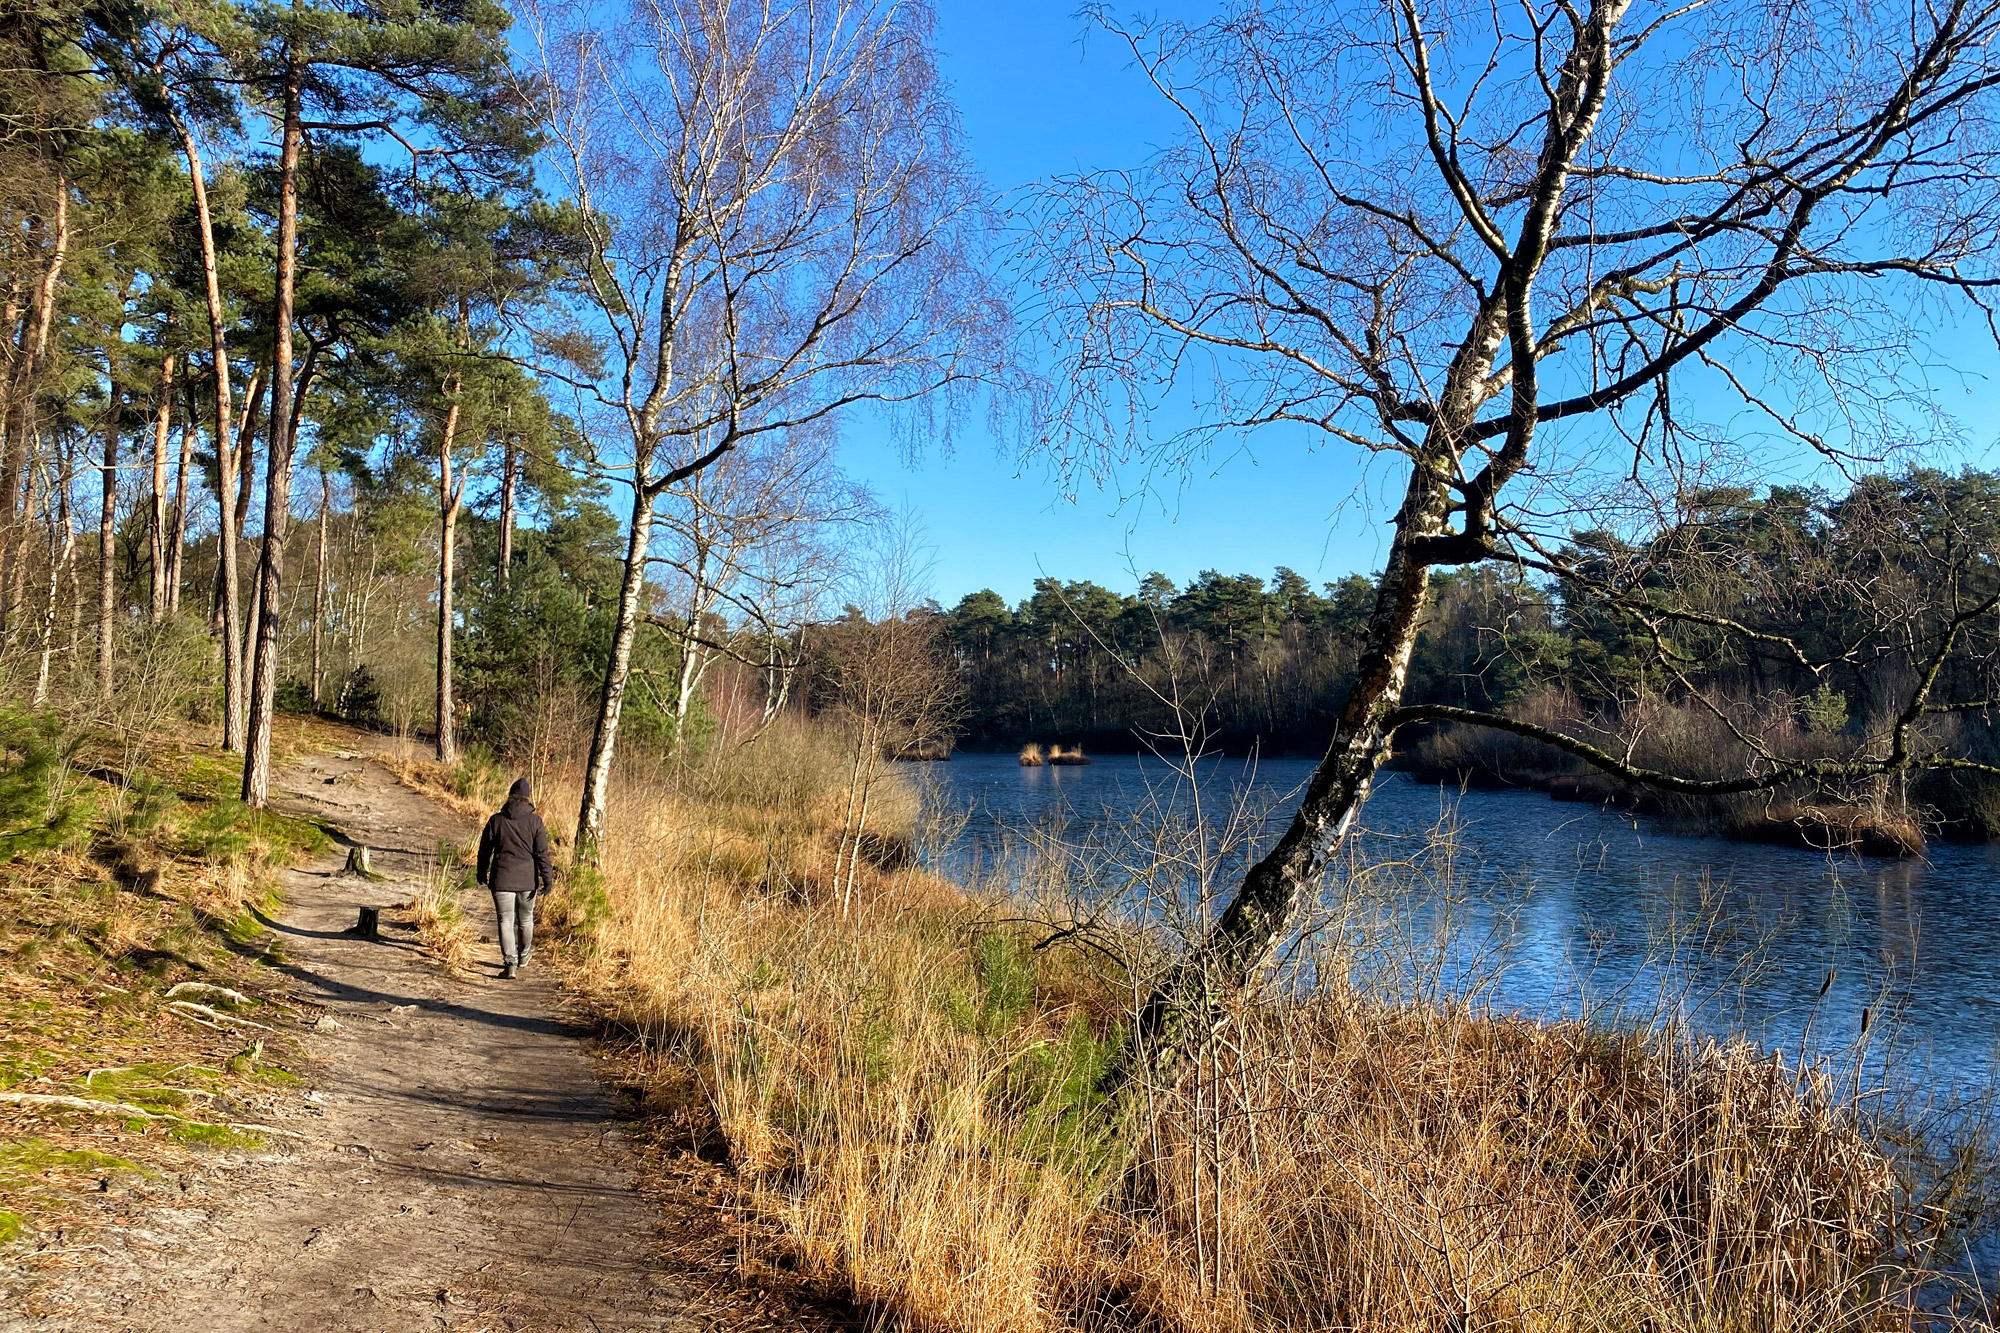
[464,1170]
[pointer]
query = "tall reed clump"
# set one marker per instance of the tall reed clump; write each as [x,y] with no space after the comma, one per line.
[908,1085]
[438,910]
[1348,1164]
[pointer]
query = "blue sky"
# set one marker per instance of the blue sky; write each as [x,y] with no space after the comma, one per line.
[1040,97]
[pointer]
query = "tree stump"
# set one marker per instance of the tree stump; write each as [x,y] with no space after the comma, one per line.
[369,927]
[357,863]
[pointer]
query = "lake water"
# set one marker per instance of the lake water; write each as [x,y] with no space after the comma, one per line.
[1562,900]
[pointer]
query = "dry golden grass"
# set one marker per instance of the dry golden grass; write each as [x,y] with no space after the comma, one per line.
[465,788]
[443,933]
[907,1086]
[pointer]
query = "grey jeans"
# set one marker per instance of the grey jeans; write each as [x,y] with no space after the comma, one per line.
[517,920]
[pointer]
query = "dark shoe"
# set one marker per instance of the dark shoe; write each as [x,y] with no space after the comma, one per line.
[509,972]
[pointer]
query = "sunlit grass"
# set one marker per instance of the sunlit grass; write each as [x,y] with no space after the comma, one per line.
[912,1090]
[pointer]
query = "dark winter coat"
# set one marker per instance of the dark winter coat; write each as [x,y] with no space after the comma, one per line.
[514,854]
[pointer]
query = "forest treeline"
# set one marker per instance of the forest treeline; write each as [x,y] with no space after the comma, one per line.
[1820,581]
[337,372]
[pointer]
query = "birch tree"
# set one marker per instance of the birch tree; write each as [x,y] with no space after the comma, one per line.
[774,223]
[750,548]
[1505,252]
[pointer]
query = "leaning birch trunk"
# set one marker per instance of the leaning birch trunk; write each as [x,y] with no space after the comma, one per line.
[278,475]
[107,551]
[1281,886]
[617,673]
[449,496]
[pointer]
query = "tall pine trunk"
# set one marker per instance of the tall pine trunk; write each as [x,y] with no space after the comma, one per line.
[510,462]
[278,474]
[107,550]
[451,492]
[22,387]
[246,480]
[245,477]
[177,536]
[227,619]
[319,589]
[228,581]
[243,463]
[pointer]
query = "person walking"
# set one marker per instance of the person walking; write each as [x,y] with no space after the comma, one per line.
[514,863]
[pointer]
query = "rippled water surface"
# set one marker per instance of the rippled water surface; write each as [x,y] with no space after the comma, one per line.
[1575,899]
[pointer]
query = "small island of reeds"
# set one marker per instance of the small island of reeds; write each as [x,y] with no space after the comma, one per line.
[1034,756]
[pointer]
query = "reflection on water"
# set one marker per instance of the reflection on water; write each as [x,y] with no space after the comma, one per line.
[1577,899]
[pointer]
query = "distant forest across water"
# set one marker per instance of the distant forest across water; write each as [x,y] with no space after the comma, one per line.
[1263,663]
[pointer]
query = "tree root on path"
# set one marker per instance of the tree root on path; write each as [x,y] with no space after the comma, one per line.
[219,994]
[59,1102]
[201,1013]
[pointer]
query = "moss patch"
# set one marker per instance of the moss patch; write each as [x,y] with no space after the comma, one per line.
[23,1158]
[212,1136]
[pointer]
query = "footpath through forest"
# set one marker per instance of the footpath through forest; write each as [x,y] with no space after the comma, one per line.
[459,1166]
